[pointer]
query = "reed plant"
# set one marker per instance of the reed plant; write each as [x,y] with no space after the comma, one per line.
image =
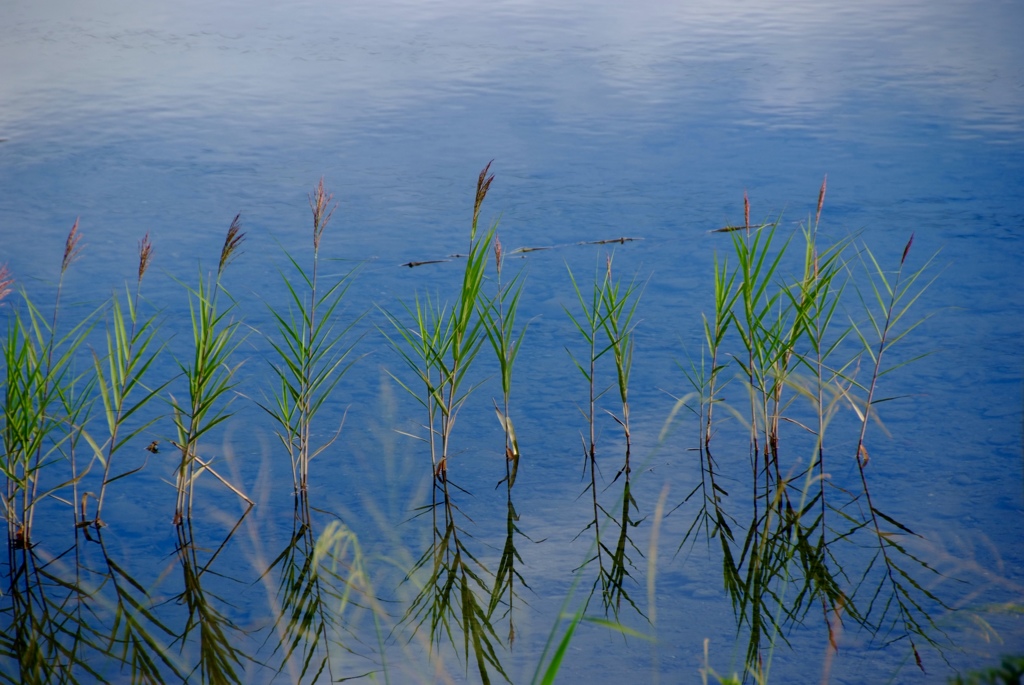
[901,600]
[605,323]
[310,359]
[311,355]
[439,347]
[620,303]
[46,403]
[130,354]
[209,375]
[499,316]
[589,323]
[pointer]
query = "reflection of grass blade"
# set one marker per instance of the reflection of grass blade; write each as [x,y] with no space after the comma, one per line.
[506,573]
[136,627]
[220,657]
[606,326]
[499,316]
[613,585]
[316,595]
[589,323]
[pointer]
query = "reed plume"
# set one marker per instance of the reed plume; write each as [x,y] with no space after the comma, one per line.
[6,281]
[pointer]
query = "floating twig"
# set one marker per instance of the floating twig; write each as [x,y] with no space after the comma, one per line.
[621,241]
[524,250]
[727,229]
[429,261]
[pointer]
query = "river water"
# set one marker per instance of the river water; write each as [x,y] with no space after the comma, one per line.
[604,121]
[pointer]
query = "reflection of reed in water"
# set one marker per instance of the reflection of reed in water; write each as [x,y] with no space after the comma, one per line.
[221,659]
[319,580]
[81,616]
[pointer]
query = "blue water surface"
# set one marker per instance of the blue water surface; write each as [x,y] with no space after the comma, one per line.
[604,120]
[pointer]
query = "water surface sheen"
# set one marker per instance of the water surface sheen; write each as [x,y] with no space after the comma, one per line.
[604,120]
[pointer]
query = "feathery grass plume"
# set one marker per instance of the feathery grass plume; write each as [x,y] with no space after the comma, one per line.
[483,184]
[72,249]
[311,355]
[320,204]
[209,377]
[232,242]
[130,353]
[6,281]
[821,201]
[145,255]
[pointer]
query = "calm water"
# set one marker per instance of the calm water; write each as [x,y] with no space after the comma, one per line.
[602,121]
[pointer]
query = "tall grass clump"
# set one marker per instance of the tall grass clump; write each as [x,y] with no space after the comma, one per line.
[796,356]
[46,403]
[439,347]
[209,376]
